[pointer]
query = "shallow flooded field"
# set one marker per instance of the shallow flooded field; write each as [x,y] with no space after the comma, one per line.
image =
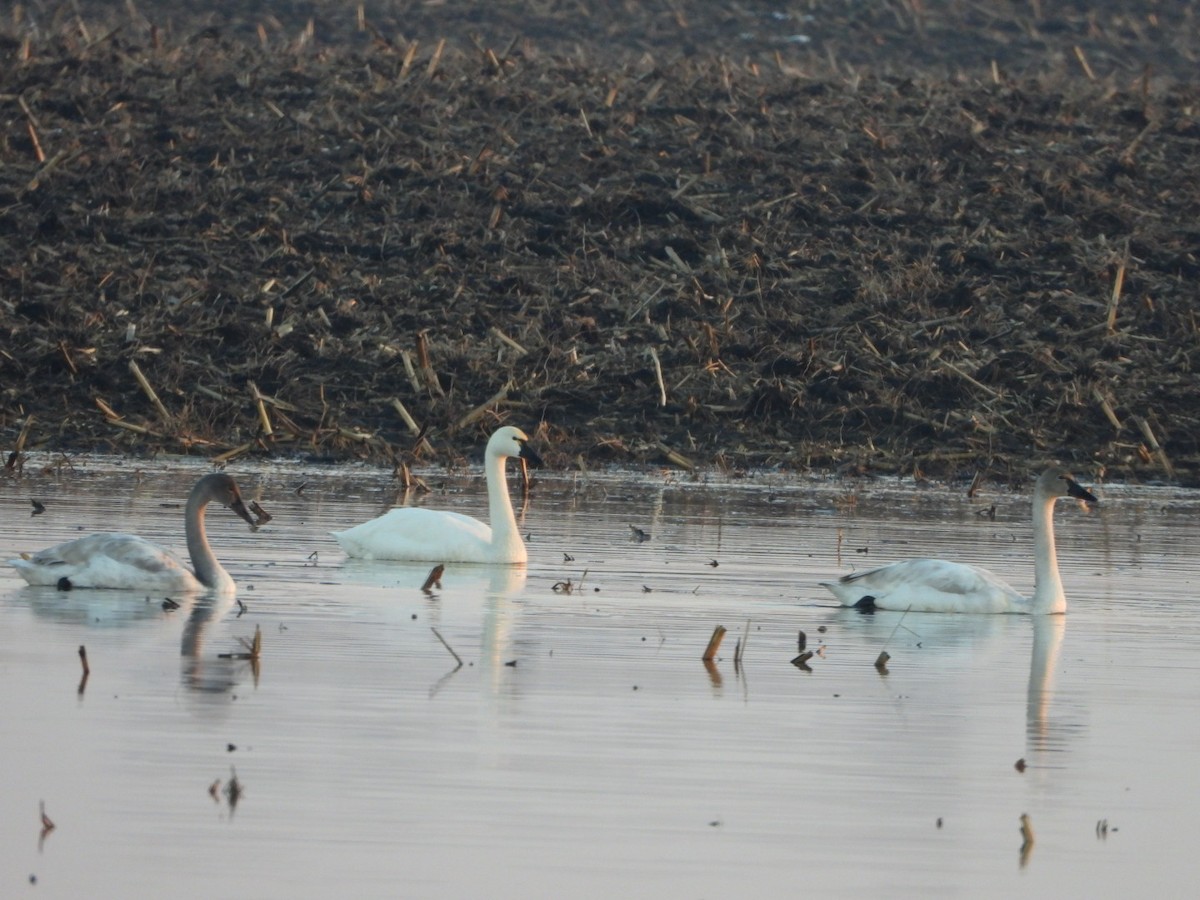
[583,749]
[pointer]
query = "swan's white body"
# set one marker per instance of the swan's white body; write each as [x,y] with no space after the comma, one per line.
[128,562]
[938,585]
[430,535]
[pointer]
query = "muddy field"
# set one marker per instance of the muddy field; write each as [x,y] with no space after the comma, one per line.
[903,237]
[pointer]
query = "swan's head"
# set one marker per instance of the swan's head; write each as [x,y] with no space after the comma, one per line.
[221,488]
[1057,482]
[510,441]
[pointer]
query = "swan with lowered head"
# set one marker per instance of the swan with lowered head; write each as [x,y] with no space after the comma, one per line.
[128,562]
[415,533]
[937,585]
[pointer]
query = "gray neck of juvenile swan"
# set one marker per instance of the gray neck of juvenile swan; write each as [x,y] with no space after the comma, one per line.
[208,571]
[1048,595]
[500,513]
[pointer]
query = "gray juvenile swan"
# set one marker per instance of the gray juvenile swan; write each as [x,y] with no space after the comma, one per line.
[415,533]
[937,585]
[128,562]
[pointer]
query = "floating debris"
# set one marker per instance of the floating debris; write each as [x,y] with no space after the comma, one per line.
[252,648]
[261,516]
[801,642]
[568,586]
[47,825]
[636,534]
[38,507]
[1019,765]
[87,671]
[234,789]
[801,661]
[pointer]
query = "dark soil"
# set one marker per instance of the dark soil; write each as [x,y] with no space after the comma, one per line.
[888,235]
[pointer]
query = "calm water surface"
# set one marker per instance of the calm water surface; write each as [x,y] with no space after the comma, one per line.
[583,749]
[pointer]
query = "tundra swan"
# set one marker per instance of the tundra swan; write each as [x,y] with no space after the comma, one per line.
[415,533]
[128,562]
[937,585]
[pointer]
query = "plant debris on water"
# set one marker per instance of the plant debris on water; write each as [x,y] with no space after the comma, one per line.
[905,238]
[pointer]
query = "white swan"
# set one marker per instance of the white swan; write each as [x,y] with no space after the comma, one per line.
[415,533]
[936,585]
[128,562]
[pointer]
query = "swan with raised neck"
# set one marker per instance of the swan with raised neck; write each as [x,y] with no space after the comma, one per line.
[128,562]
[938,585]
[419,534]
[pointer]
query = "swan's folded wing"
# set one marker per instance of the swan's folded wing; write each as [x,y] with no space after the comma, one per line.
[932,585]
[126,549]
[107,559]
[417,533]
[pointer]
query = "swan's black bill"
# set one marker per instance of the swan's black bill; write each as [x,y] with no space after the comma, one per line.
[530,456]
[1078,491]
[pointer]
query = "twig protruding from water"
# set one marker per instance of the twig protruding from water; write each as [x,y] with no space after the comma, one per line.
[434,579]
[1027,838]
[253,647]
[740,649]
[457,658]
[714,643]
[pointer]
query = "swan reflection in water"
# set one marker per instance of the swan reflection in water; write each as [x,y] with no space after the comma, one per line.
[1044,734]
[105,608]
[981,642]
[461,589]
[202,671]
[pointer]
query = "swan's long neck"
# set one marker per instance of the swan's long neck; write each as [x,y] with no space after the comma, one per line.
[209,572]
[1048,595]
[500,511]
